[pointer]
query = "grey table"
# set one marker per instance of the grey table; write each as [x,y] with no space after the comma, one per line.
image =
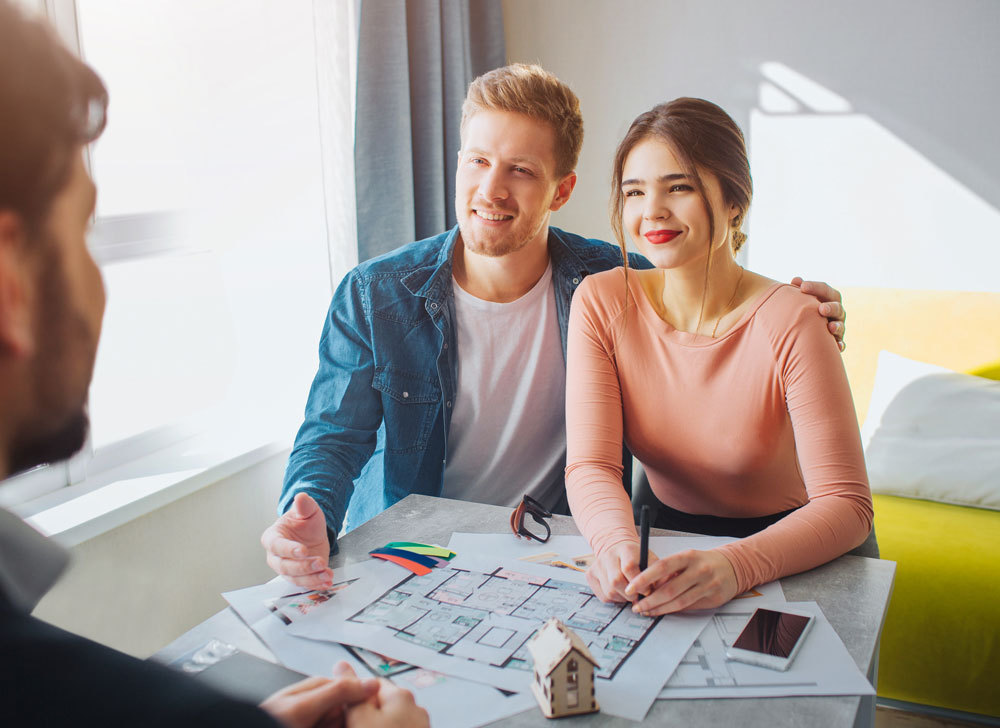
[853,592]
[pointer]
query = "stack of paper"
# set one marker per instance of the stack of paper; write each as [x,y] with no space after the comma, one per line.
[452,702]
[456,634]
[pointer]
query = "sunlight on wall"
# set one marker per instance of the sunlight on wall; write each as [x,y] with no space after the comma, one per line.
[840,198]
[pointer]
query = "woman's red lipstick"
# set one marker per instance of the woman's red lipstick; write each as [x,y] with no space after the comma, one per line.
[659,237]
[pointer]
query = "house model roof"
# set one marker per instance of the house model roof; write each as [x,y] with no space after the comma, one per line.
[552,643]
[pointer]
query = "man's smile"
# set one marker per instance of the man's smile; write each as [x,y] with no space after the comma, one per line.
[493,216]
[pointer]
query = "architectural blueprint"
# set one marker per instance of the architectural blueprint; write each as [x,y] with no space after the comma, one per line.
[822,667]
[573,552]
[472,619]
[451,702]
[490,617]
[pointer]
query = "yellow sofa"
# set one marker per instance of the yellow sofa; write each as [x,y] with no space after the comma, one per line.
[941,641]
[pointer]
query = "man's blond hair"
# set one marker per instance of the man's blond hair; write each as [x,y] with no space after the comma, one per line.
[539,95]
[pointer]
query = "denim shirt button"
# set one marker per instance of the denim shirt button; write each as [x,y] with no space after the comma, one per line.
[576,281]
[433,306]
[449,403]
[406,395]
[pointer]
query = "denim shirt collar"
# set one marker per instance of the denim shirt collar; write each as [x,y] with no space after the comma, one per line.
[564,260]
[434,281]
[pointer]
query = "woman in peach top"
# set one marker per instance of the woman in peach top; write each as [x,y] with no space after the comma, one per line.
[723,383]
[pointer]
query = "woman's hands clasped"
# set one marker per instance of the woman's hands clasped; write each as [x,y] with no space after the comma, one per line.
[686,580]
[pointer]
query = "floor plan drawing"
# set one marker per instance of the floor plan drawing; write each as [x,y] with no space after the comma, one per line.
[473,617]
[288,607]
[452,702]
[705,665]
[823,667]
[489,617]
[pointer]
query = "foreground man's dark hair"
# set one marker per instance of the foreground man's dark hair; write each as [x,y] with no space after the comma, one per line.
[50,103]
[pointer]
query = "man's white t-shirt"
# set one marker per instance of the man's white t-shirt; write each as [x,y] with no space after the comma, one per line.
[508,426]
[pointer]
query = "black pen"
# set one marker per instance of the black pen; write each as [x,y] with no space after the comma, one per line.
[643,539]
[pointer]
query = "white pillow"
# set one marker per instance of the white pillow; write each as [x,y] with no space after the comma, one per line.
[934,434]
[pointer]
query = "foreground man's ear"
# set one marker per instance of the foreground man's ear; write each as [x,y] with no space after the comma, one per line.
[16,334]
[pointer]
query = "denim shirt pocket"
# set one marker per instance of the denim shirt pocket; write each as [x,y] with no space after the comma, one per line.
[410,401]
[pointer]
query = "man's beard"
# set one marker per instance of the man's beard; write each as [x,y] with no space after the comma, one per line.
[491,247]
[494,249]
[60,424]
[497,248]
[50,447]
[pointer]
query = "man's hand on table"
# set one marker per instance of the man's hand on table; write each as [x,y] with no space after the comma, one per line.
[321,701]
[392,707]
[830,305]
[297,545]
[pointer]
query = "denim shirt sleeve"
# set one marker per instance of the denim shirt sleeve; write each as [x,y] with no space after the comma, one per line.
[343,412]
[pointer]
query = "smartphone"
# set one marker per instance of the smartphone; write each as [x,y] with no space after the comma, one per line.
[771,639]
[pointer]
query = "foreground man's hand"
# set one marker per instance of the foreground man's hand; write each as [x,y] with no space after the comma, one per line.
[831,305]
[392,707]
[320,701]
[298,547]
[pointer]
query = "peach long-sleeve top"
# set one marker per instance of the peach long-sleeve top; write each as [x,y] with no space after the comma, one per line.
[757,421]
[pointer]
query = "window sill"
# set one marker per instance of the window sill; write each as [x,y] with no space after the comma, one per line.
[111,498]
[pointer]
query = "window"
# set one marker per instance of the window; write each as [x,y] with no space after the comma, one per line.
[572,686]
[221,226]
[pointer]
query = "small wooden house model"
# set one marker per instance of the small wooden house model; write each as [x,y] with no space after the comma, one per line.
[564,671]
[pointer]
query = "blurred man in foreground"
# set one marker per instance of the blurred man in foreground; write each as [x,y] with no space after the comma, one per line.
[51,306]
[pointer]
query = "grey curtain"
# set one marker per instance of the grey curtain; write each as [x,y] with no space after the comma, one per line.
[415,61]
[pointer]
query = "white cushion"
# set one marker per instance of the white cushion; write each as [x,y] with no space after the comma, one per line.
[934,434]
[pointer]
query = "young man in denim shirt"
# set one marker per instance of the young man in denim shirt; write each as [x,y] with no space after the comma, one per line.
[442,363]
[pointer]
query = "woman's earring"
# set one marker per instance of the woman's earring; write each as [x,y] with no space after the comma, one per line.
[739,237]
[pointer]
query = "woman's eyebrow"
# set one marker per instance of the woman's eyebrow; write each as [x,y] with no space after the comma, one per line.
[664,178]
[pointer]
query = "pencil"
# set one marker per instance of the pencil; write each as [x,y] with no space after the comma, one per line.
[643,538]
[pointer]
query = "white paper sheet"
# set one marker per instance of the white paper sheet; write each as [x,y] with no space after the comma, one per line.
[570,548]
[450,701]
[823,665]
[473,618]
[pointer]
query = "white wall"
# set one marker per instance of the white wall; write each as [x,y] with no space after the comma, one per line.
[139,586]
[871,124]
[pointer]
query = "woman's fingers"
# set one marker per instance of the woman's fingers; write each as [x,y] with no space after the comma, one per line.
[686,580]
[608,576]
